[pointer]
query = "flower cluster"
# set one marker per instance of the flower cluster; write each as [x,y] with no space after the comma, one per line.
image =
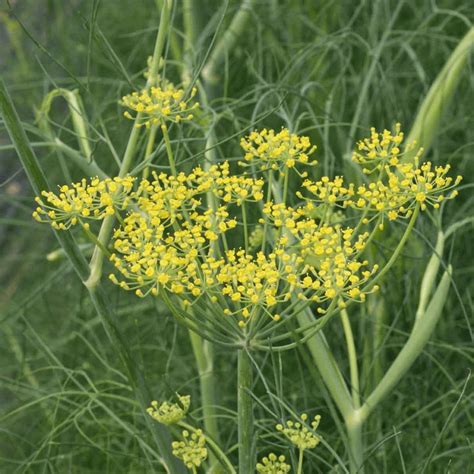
[331,268]
[273,464]
[93,199]
[170,413]
[192,449]
[327,191]
[169,242]
[250,282]
[228,187]
[379,149]
[277,151]
[160,105]
[407,186]
[299,434]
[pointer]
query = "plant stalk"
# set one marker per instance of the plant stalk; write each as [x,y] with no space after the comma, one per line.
[204,356]
[245,412]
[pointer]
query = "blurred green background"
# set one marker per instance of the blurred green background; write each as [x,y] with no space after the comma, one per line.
[330,69]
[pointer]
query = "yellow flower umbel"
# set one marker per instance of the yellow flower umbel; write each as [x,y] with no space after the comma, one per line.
[160,105]
[380,149]
[277,151]
[251,283]
[191,450]
[93,199]
[424,184]
[273,464]
[329,267]
[299,434]
[170,413]
[400,186]
[228,187]
[327,191]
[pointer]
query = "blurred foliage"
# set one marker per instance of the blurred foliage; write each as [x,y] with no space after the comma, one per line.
[327,68]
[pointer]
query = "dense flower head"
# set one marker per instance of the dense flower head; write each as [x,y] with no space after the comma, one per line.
[328,191]
[229,188]
[406,187]
[170,413]
[160,105]
[192,449]
[152,254]
[330,267]
[86,199]
[177,235]
[273,464]
[379,149]
[299,434]
[277,151]
[250,282]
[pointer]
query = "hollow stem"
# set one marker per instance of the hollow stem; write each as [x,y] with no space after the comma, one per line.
[355,443]
[245,412]
[352,355]
[203,354]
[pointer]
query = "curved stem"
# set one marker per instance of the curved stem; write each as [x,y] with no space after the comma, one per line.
[399,248]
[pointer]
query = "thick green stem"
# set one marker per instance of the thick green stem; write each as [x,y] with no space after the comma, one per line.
[355,443]
[439,97]
[352,355]
[203,354]
[211,72]
[245,412]
[327,367]
[412,348]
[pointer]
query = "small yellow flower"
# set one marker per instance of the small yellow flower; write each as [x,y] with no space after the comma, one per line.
[170,413]
[87,199]
[273,464]
[277,151]
[160,105]
[299,434]
[192,449]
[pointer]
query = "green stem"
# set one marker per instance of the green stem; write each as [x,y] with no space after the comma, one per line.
[203,354]
[327,366]
[300,462]
[211,72]
[149,150]
[96,262]
[399,248]
[246,230]
[245,412]
[412,348]
[352,355]
[355,443]
[169,149]
[108,318]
